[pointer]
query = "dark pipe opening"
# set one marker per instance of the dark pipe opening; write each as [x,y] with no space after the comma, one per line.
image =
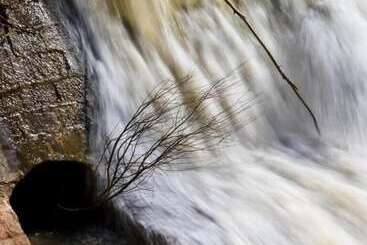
[42,199]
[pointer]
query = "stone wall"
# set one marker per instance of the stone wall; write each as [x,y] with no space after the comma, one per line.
[42,99]
[42,85]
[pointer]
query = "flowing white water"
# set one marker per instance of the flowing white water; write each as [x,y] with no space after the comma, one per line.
[278,182]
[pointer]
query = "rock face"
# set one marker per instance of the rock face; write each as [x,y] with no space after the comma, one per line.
[11,232]
[42,85]
[42,99]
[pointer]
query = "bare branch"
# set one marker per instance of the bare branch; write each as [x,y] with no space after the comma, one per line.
[276,64]
[166,129]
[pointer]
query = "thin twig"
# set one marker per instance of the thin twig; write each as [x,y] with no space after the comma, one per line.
[276,64]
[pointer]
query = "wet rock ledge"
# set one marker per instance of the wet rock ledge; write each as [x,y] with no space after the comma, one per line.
[42,99]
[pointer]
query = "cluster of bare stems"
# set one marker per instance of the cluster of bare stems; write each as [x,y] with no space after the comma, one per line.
[166,129]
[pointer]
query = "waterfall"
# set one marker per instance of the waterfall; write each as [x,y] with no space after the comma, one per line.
[278,182]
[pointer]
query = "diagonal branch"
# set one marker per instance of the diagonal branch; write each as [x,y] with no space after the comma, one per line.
[276,64]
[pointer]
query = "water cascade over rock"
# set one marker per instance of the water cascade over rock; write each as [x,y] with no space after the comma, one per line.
[278,181]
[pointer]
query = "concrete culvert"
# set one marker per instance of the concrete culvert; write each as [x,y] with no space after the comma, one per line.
[42,197]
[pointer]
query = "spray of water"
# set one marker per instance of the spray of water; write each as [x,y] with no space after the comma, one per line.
[278,182]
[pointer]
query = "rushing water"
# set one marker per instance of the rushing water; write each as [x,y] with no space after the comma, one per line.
[278,182]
